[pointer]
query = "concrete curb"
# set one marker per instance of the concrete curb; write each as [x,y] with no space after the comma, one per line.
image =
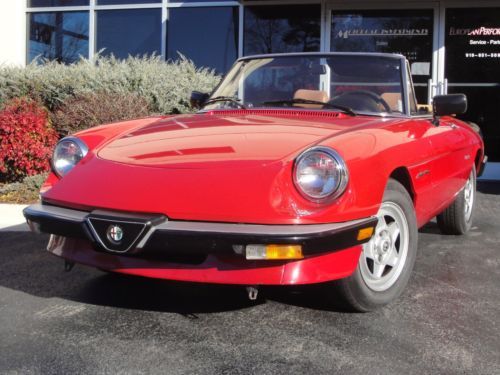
[11,218]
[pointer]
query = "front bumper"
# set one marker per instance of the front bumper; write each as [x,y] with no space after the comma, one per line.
[198,251]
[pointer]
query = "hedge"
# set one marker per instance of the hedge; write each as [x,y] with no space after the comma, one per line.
[165,86]
[26,139]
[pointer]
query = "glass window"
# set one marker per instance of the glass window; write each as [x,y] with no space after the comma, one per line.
[472,66]
[366,84]
[56,3]
[282,28]
[411,92]
[208,36]
[407,32]
[132,32]
[199,1]
[473,45]
[61,36]
[115,2]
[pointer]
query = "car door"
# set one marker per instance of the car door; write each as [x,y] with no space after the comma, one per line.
[451,160]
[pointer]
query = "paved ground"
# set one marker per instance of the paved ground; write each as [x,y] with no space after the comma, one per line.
[447,322]
[11,217]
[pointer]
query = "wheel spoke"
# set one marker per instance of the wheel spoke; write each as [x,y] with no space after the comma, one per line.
[368,251]
[393,229]
[381,225]
[378,270]
[393,257]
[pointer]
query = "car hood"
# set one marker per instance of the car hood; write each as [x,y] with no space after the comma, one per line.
[220,138]
[232,167]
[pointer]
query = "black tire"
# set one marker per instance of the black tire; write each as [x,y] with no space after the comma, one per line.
[355,291]
[456,219]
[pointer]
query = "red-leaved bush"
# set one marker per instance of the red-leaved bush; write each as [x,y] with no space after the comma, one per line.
[26,139]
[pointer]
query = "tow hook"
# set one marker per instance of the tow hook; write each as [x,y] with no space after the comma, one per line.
[68,266]
[253,292]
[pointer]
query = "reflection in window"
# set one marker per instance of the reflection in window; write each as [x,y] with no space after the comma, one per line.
[56,3]
[197,1]
[133,32]
[115,2]
[407,32]
[472,66]
[275,29]
[208,36]
[483,110]
[472,55]
[60,36]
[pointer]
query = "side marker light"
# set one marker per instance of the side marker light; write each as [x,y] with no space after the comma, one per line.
[365,233]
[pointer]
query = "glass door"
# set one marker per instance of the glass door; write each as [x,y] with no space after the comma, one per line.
[409,32]
[472,67]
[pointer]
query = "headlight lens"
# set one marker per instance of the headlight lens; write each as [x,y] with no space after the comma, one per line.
[320,174]
[68,153]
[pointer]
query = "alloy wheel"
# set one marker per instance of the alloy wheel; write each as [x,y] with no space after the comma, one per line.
[384,256]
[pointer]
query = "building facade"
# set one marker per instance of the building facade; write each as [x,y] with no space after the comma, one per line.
[453,46]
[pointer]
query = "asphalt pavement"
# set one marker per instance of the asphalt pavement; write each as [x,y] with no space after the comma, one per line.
[87,321]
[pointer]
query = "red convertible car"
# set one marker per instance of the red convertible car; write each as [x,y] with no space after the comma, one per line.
[298,169]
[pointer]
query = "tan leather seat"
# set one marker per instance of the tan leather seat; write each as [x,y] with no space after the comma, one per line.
[316,95]
[425,107]
[393,99]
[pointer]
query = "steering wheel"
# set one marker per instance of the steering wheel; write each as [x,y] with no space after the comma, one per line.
[349,99]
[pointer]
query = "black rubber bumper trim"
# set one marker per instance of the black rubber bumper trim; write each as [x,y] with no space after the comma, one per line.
[482,165]
[63,222]
[314,242]
[179,237]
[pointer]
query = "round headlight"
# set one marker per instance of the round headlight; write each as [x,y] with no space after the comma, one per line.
[68,153]
[320,173]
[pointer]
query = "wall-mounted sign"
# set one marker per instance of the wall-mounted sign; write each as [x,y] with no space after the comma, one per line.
[380,32]
[473,45]
[405,31]
[472,66]
[408,32]
[479,31]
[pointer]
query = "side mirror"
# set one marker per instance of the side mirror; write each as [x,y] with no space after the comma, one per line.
[444,105]
[449,104]
[198,99]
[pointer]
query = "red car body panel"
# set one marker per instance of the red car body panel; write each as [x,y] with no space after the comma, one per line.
[236,166]
[216,269]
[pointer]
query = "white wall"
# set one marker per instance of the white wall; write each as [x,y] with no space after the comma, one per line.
[13,32]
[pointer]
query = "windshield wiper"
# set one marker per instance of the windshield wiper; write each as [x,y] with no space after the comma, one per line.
[345,109]
[226,99]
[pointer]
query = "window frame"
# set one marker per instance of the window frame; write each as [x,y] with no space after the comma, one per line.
[164,5]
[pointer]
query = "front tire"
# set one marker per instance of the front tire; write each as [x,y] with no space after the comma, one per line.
[387,260]
[457,218]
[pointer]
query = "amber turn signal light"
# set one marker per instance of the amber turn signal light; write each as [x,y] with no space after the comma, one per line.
[274,252]
[365,233]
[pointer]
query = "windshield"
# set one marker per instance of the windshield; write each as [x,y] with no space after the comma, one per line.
[349,83]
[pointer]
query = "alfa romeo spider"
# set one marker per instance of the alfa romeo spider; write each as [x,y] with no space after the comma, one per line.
[310,168]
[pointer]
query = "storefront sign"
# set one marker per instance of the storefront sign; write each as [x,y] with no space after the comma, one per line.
[381,32]
[478,31]
[477,42]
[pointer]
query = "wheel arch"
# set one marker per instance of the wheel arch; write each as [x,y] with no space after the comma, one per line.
[478,162]
[402,175]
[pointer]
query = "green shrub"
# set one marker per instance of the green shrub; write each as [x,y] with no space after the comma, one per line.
[165,86]
[26,191]
[86,110]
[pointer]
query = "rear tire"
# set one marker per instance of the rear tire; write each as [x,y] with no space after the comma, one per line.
[457,218]
[386,262]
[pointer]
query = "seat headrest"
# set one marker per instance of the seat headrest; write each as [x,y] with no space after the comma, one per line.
[316,95]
